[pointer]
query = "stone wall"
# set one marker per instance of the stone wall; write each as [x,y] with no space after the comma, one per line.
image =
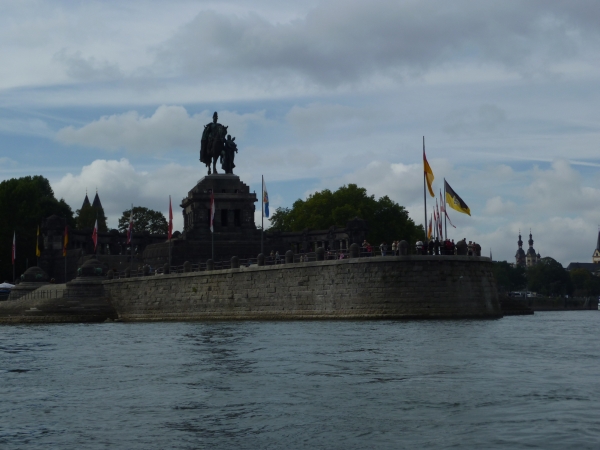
[361,288]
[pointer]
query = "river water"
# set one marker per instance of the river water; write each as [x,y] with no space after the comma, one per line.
[518,382]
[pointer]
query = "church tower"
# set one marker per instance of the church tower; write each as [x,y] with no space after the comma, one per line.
[520,255]
[532,257]
[596,255]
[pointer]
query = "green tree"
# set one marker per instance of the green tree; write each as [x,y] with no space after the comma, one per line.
[24,203]
[144,219]
[86,218]
[549,277]
[584,283]
[509,278]
[387,220]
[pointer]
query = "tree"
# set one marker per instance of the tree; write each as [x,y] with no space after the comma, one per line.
[24,203]
[509,278]
[387,221]
[87,216]
[548,277]
[144,219]
[584,283]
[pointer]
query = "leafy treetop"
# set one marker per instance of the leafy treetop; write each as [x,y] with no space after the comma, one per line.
[387,220]
[25,202]
[144,219]
[548,277]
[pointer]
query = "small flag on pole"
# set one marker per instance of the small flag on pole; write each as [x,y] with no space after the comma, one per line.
[429,229]
[265,200]
[440,229]
[95,235]
[14,248]
[428,173]
[170,220]
[130,228]
[454,201]
[212,212]
[65,240]
[37,243]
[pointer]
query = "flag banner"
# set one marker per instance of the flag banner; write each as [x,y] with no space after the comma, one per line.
[130,228]
[95,235]
[37,243]
[428,174]
[170,232]
[14,248]
[265,200]
[212,212]
[429,229]
[448,217]
[454,201]
[440,229]
[65,240]
[435,221]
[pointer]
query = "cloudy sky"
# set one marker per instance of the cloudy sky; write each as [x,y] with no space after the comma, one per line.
[113,96]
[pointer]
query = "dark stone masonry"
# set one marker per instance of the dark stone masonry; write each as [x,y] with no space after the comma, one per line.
[363,288]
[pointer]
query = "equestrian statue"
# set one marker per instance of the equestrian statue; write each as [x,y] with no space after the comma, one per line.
[213,146]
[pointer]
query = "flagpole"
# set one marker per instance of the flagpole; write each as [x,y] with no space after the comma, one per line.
[65,251]
[14,253]
[170,230]
[424,193]
[131,242]
[445,213]
[212,222]
[262,215]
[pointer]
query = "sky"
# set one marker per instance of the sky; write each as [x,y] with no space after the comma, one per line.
[113,96]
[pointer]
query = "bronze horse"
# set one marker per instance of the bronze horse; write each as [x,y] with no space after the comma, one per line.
[212,148]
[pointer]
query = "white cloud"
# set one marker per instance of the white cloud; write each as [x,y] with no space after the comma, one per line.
[391,39]
[496,207]
[87,69]
[168,129]
[119,185]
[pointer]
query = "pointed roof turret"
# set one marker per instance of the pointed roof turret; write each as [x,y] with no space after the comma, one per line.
[86,201]
[97,203]
[598,242]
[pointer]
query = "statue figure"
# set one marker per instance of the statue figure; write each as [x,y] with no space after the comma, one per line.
[212,143]
[228,155]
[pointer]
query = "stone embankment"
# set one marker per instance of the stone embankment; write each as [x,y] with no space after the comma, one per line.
[398,287]
[390,287]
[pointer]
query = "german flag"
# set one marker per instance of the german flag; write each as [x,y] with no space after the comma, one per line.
[38,253]
[65,240]
[428,173]
[454,201]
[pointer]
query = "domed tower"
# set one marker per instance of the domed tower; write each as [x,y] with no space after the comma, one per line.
[532,256]
[520,256]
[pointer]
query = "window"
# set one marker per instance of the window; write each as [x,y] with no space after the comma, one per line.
[224,216]
[237,218]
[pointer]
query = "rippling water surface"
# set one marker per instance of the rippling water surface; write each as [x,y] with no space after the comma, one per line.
[518,382]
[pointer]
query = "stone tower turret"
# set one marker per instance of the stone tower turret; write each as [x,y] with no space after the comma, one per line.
[596,255]
[531,257]
[96,204]
[86,201]
[520,255]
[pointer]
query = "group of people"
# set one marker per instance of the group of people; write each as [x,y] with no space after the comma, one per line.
[432,247]
[448,247]
[384,249]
